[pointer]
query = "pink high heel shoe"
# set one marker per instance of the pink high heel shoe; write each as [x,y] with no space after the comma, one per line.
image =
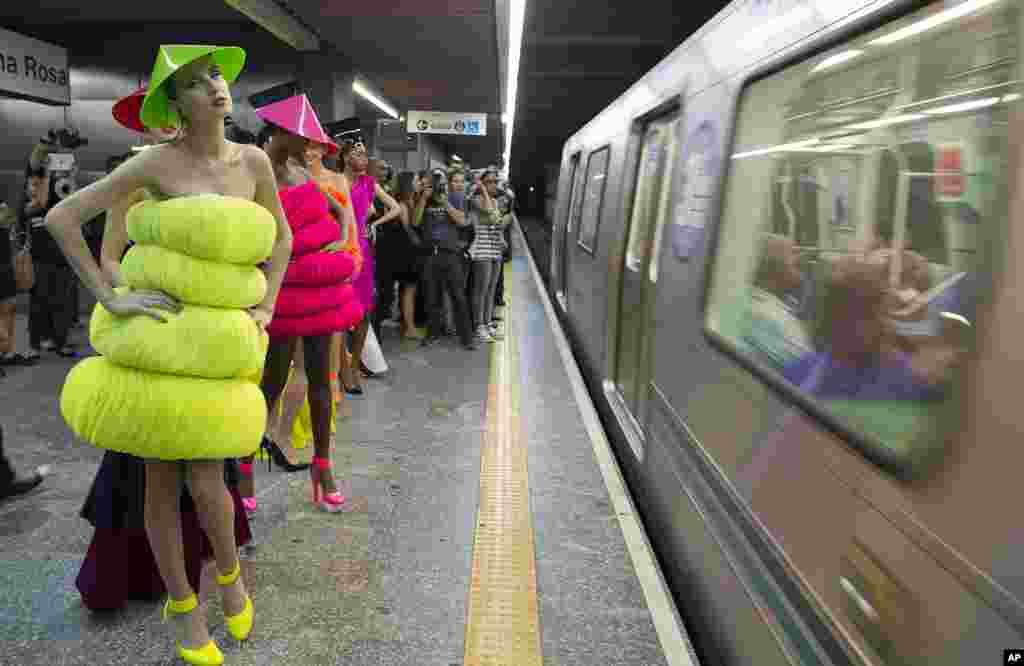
[248,503]
[329,502]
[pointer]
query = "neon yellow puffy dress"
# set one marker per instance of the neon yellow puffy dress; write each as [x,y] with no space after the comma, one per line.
[186,389]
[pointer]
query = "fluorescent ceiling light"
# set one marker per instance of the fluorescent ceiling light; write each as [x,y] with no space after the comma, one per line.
[964,106]
[1012,97]
[269,16]
[885,122]
[962,93]
[516,20]
[363,92]
[837,59]
[829,148]
[758,37]
[775,149]
[934,20]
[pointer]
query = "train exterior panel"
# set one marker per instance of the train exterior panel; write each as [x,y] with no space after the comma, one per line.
[788,261]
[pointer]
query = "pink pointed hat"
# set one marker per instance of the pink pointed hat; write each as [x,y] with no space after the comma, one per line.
[296,115]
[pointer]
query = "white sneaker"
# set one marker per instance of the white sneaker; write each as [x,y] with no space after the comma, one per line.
[483,334]
[495,333]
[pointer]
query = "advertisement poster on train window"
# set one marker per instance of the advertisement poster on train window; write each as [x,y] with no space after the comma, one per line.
[700,169]
[950,183]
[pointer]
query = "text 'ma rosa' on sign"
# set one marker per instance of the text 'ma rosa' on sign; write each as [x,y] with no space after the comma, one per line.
[441,122]
[33,70]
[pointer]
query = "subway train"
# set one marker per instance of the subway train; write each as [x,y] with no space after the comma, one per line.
[786,260]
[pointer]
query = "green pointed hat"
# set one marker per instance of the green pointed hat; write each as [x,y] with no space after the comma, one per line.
[156,112]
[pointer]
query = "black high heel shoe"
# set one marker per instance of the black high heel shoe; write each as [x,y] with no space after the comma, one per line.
[279,458]
[351,390]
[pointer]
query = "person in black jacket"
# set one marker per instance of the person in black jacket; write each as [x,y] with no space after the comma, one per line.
[52,302]
[443,270]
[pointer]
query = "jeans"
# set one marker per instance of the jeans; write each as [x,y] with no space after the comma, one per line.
[485,282]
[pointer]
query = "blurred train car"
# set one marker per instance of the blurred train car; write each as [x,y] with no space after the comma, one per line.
[788,261]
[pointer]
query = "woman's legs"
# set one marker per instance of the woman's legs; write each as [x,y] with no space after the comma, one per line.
[408,305]
[293,397]
[275,374]
[163,528]
[7,318]
[216,514]
[337,350]
[358,342]
[318,362]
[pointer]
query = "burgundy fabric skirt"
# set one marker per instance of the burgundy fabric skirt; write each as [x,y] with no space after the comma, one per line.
[119,565]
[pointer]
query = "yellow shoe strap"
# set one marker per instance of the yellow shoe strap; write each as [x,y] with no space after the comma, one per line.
[186,605]
[229,578]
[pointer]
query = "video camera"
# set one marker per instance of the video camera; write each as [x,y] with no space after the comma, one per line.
[64,139]
[54,153]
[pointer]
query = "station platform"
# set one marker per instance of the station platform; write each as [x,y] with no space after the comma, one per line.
[487,524]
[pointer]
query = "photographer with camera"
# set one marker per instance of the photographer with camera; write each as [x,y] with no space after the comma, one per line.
[52,298]
[443,270]
[490,218]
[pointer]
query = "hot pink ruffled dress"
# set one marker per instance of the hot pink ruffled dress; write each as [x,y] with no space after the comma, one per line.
[317,296]
[363,191]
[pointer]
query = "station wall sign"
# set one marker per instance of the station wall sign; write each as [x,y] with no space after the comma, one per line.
[441,122]
[34,70]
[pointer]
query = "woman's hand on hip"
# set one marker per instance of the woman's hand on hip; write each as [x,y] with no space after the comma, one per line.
[142,302]
[261,316]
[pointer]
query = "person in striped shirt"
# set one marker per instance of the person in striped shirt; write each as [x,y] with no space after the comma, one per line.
[489,222]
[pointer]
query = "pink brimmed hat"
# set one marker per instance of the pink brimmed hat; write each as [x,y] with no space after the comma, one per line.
[296,115]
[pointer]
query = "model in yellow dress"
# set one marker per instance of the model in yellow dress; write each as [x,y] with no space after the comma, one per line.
[182,344]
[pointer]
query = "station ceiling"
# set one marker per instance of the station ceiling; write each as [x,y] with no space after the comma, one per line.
[443,55]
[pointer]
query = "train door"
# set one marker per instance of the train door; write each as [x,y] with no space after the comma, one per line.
[650,209]
[560,260]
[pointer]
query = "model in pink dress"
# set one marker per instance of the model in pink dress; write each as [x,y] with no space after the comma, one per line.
[316,298]
[363,189]
[362,197]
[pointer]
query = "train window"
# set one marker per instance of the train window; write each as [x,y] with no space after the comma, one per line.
[650,202]
[864,188]
[650,209]
[560,246]
[593,196]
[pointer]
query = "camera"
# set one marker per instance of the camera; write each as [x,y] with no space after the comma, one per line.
[440,183]
[66,139]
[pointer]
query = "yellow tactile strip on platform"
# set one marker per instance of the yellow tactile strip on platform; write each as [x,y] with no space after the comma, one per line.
[502,625]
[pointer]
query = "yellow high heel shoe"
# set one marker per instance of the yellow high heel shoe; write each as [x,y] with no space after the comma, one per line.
[209,654]
[239,625]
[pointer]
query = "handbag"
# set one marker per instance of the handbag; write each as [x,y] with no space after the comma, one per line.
[24,271]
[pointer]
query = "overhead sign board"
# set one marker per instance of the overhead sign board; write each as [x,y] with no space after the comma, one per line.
[33,69]
[441,122]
